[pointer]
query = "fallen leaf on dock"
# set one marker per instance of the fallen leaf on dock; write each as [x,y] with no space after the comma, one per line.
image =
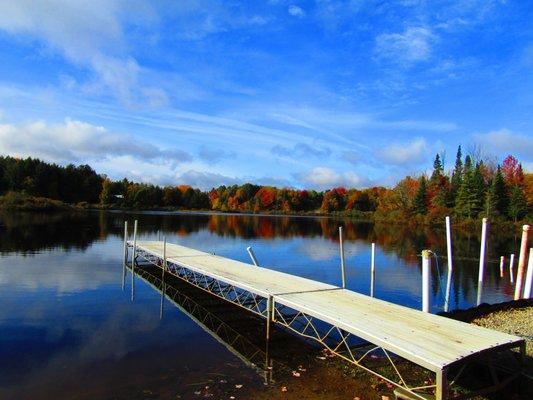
[284,388]
[296,374]
[238,386]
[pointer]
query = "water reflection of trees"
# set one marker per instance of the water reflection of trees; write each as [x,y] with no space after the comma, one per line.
[28,232]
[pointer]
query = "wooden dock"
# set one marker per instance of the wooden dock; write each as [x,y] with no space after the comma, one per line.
[354,326]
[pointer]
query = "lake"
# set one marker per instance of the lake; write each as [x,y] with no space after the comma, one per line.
[69,327]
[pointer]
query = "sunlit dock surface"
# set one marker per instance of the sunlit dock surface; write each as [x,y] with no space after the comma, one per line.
[341,319]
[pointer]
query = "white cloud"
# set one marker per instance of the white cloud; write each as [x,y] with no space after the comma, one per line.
[326,178]
[88,34]
[206,180]
[296,11]
[77,141]
[504,142]
[404,153]
[413,44]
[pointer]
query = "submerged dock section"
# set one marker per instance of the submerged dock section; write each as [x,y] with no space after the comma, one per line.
[356,327]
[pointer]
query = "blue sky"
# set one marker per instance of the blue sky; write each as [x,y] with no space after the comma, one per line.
[308,94]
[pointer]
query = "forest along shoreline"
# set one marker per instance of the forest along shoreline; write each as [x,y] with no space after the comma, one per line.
[472,189]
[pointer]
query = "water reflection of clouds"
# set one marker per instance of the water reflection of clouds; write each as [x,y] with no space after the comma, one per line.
[64,272]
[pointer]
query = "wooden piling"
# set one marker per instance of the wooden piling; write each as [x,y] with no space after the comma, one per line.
[426,279]
[522,263]
[511,268]
[502,264]
[341,249]
[529,276]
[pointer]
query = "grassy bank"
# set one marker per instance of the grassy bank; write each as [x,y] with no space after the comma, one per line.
[16,201]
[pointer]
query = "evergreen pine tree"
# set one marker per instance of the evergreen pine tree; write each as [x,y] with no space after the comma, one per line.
[497,197]
[462,201]
[437,169]
[477,190]
[457,176]
[517,203]
[420,201]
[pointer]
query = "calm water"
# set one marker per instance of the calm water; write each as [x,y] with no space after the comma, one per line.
[69,330]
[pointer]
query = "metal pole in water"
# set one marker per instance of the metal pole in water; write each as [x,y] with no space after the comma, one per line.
[502,262]
[449,242]
[529,276]
[164,256]
[133,261]
[125,255]
[511,268]
[482,252]
[252,255]
[521,263]
[341,249]
[125,242]
[372,269]
[448,290]
[426,279]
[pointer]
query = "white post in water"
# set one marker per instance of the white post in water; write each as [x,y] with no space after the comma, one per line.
[511,268]
[426,279]
[372,269]
[252,255]
[133,256]
[449,243]
[125,242]
[164,257]
[341,249]
[520,273]
[529,276]
[502,264]
[134,252]
[482,251]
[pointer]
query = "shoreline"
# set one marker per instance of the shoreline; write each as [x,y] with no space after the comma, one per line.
[22,203]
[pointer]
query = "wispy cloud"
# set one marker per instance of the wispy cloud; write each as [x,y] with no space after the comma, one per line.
[412,45]
[505,140]
[296,11]
[302,150]
[87,34]
[412,152]
[214,155]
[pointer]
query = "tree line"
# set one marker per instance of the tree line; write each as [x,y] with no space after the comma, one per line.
[473,188]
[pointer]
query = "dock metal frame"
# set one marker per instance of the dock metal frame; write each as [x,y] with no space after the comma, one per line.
[345,344]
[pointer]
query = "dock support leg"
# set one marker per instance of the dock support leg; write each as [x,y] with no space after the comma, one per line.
[270,314]
[442,385]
